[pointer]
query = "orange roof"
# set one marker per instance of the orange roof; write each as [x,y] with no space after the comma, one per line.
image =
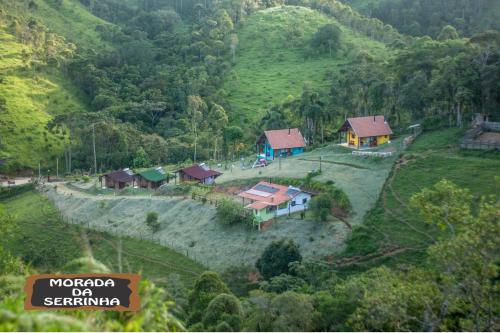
[285,138]
[368,126]
[269,194]
[257,205]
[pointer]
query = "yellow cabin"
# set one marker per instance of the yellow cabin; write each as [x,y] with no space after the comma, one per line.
[366,132]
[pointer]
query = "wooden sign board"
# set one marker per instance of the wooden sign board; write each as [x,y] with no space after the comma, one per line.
[115,292]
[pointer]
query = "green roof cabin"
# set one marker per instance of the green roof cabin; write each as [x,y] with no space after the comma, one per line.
[151,178]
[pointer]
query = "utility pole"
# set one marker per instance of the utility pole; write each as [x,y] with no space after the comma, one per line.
[119,250]
[93,147]
[320,158]
[57,167]
[279,161]
[39,170]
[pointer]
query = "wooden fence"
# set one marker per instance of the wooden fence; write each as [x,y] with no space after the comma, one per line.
[480,144]
[471,138]
[372,153]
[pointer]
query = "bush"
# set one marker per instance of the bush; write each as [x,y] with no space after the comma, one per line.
[321,207]
[277,257]
[206,288]
[283,282]
[86,179]
[152,221]
[224,308]
[230,212]
[9,192]
[179,189]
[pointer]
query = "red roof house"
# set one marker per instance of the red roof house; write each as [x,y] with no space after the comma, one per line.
[282,142]
[366,132]
[198,172]
[119,179]
[269,200]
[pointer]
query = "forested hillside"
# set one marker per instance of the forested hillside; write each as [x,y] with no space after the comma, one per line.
[422,17]
[36,51]
[169,82]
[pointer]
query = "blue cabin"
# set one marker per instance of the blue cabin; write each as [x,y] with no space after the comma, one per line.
[282,142]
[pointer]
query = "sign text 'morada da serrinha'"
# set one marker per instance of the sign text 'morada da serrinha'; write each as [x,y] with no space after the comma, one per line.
[88,291]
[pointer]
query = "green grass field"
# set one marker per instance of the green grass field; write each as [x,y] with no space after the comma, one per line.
[59,19]
[273,61]
[31,101]
[391,230]
[33,98]
[49,243]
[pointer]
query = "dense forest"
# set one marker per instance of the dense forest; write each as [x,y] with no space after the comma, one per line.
[428,18]
[157,82]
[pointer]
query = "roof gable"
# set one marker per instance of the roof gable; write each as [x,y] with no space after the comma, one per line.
[285,138]
[123,176]
[369,126]
[198,172]
[153,175]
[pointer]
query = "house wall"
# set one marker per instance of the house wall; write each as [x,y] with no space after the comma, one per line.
[268,151]
[352,139]
[263,215]
[141,182]
[208,181]
[382,139]
[299,202]
[297,150]
[285,209]
[110,183]
[274,153]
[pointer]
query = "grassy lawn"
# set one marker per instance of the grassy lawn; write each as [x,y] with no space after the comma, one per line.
[273,59]
[48,242]
[391,228]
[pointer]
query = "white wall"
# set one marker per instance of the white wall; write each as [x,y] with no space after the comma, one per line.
[299,206]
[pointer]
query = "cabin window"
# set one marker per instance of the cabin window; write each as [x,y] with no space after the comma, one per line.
[270,209]
[293,203]
[304,201]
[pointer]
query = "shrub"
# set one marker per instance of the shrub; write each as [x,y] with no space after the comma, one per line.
[277,257]
[9,192]
[86,179]
[224,308]
[179,189]
[152,221]
[321,207]
[206,288]
[230,212]
[283,282]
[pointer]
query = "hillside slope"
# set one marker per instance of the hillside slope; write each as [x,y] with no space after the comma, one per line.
[30,102]
[273,59]
[31,98]
[68,18]
[422,17]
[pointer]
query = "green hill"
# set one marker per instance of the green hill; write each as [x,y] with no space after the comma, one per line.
[68,18]
[31,99]
[30,102]
[273,59]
